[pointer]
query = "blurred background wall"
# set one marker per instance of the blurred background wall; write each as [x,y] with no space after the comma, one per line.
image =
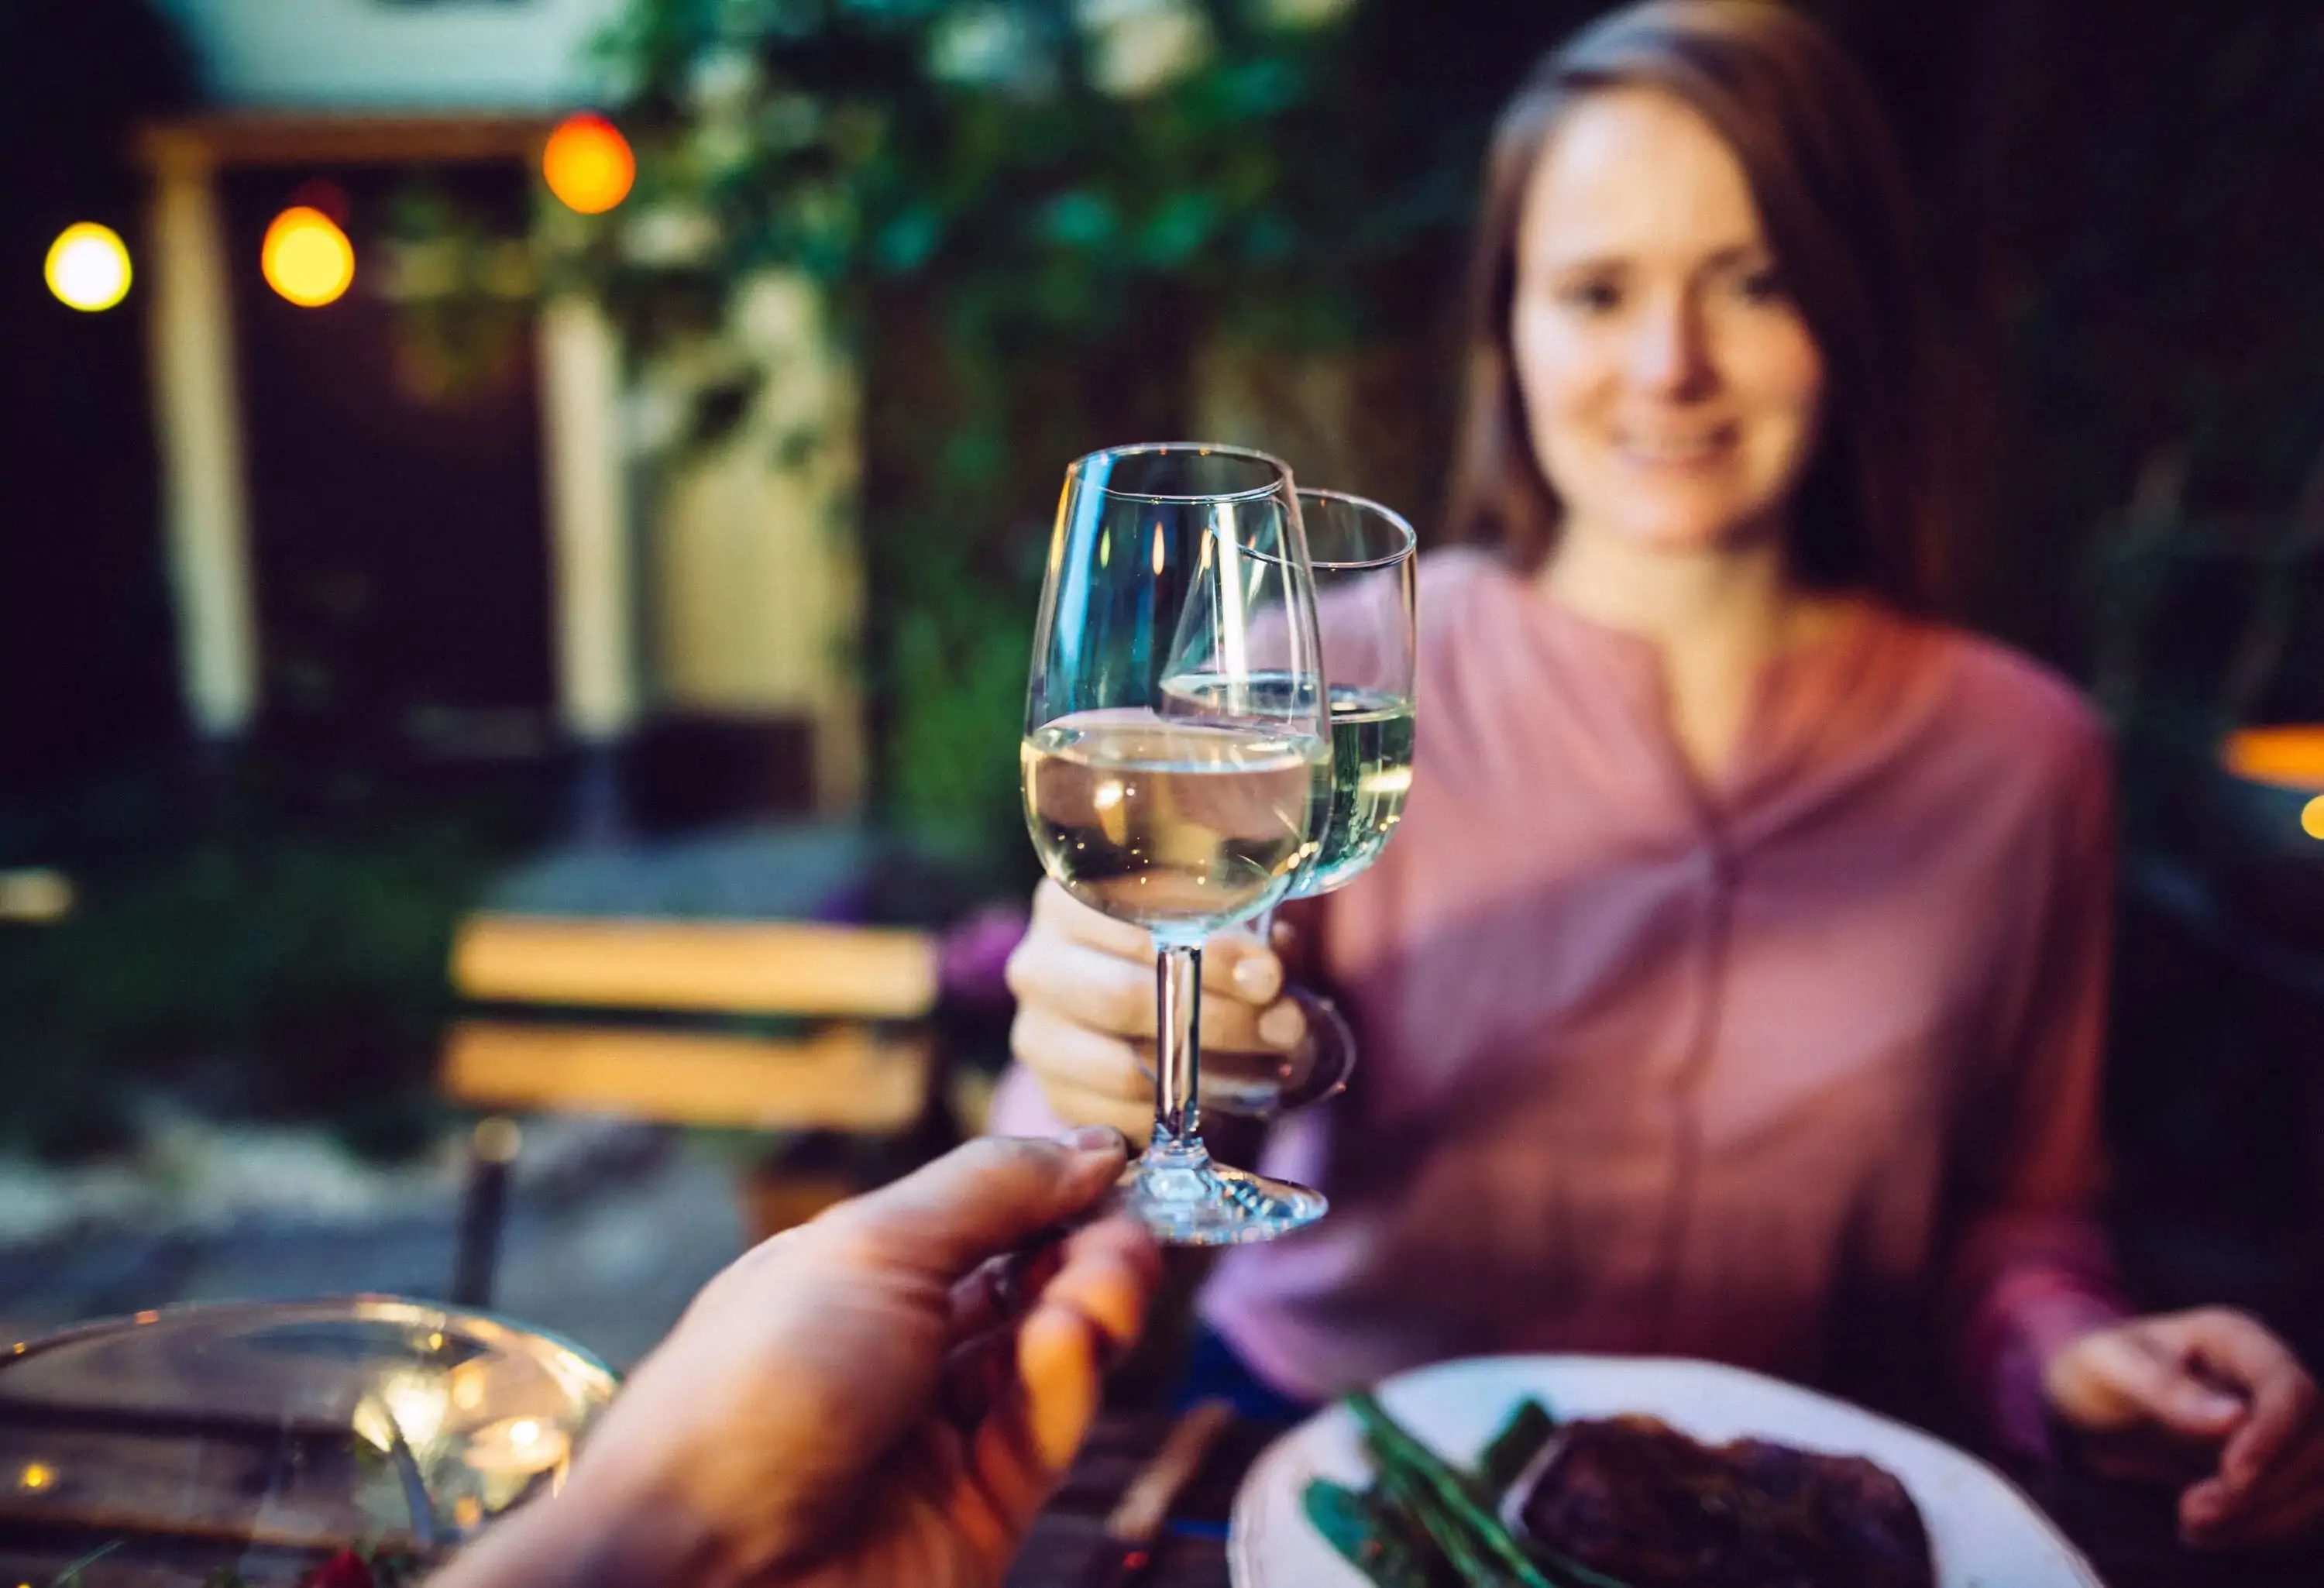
[725,504]
[464,54]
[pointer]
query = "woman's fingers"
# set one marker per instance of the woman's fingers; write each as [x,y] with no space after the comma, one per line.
[2118,1379]
[1065,1052]
[1090,987]
[1085,1076]
[1073,981]
[1085,1013]
[2210,1379]
[1235,964]
[1133,1120]
[1055,909]
[2287,1503]
[2269,1484]
[2236,1348]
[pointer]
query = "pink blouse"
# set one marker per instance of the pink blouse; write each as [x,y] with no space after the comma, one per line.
[1797,1072]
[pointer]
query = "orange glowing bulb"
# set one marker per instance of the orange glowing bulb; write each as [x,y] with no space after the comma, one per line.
[307,258]
[588,164]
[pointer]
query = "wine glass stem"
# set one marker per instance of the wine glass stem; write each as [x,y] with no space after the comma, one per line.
[1177,1061]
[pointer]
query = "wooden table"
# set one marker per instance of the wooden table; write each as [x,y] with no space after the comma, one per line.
[2126,1534]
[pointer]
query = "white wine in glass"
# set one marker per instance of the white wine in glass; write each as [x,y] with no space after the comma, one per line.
[1177,825]
[1371,772]
[1364,557]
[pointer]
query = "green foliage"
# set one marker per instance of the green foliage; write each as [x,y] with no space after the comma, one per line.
[278,971]
[1049,172]
[956,666]
[1027,215]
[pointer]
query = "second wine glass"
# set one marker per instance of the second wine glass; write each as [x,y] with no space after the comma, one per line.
[1364,557]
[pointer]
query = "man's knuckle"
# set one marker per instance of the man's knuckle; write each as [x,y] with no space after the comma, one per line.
[847,1234]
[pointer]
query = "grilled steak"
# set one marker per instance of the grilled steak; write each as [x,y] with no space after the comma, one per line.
[1636,1498]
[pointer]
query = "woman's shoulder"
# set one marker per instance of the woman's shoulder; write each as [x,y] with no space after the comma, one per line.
[1461,584]
[2031,715]
[1447,571]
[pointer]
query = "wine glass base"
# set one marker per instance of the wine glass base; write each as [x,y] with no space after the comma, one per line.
[1184,1198]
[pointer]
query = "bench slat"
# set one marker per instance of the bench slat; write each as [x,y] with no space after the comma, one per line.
[845,1078]
[772,967]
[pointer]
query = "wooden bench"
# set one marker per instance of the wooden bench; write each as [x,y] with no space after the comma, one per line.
[857,1054]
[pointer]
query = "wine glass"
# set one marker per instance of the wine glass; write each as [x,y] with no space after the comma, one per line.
[1364,557]
[1175,759]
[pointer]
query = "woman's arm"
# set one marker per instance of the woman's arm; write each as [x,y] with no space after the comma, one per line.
[2032,1270]
[2209,1399]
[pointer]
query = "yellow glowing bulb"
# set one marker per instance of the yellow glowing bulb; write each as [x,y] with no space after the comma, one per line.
[307,258]
[88,267]
[587,163]
[2312,817]
[36,1478]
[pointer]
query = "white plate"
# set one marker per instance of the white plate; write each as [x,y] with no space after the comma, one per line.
[1984,1533]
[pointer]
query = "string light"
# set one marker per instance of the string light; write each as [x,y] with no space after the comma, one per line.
[88,267]
[588,164]
[307,258]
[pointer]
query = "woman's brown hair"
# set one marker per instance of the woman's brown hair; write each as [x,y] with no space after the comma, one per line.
[1824,172]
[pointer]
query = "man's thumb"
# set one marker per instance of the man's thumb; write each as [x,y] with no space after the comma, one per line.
[990,1196]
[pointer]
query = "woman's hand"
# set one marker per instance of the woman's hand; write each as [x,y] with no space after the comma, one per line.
[885,1395]
[1084,987]
[2209,1398]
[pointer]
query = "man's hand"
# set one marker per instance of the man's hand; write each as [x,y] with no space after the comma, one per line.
[2209,1399]
[886,1395]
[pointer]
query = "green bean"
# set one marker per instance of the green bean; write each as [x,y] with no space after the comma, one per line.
[1453,1508]
[1529,1428]
[1369,1540]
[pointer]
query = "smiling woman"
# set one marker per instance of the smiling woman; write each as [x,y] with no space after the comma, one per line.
[1675,386]
[1763,173]
[1735,987]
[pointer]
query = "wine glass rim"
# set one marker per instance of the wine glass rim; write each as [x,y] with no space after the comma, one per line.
[1079,469]
[1396,521]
